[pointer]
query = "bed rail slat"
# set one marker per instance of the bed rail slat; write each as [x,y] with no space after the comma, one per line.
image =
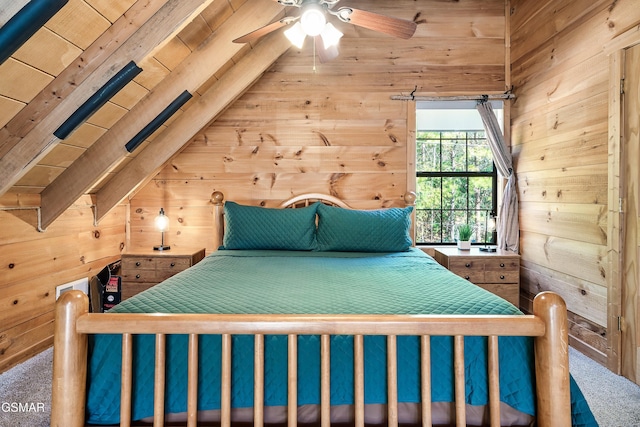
[458,368]
[392,381]
[258,382]
[358,380]
[225,382]
[494,380]
[159,383]
[292,380]
[192,382]
[425,379]
[325,380]
[126,380]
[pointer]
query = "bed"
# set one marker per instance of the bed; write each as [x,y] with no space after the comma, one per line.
[317,315]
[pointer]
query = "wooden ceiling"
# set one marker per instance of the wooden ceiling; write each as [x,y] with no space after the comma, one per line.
[179,44]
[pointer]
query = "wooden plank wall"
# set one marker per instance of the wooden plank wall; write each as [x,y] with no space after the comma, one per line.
[334,130]
[559,138]
[32,264]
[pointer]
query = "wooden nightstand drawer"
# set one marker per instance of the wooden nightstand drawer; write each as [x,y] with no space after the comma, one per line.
[501,277]
[138,263]
[173,264]
[138,275]
[132,289]
[470,270]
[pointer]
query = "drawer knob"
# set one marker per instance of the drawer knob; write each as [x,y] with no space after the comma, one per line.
[137,276]
[501,277]
[467,265]
[173,264]
[502,264]
[137,263]
[466,277]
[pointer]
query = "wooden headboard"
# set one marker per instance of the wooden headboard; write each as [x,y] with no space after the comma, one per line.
[302,200]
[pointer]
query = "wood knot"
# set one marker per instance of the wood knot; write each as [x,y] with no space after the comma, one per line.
[96,234]
[11,265]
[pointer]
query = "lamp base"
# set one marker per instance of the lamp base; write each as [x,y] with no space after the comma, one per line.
[161,248]
[488,248]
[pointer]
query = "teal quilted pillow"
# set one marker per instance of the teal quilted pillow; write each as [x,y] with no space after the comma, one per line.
[380,230]
[253,227]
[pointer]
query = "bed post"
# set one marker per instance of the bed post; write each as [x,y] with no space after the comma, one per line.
[69,362]
[217,198]
[410,200]
[552,362]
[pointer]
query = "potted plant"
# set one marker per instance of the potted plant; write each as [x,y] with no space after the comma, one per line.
[464,237]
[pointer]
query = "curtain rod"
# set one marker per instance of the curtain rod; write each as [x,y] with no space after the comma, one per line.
[452,98]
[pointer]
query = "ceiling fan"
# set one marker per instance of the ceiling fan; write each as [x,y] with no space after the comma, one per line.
[312,21]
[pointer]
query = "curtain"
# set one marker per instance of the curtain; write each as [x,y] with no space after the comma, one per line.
[508,226]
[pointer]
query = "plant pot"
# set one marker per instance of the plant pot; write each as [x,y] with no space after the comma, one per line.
[464,245]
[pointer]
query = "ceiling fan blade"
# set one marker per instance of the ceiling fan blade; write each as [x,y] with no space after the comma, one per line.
[396,27]
[325,54]
[263,31]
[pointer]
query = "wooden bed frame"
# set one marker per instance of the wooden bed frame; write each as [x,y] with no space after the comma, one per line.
[74,323]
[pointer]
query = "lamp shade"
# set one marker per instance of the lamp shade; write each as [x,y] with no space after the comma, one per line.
[161,221]
[296,35]
[330,35]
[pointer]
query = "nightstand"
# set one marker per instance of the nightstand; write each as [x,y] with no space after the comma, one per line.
[144,268]
[498,272]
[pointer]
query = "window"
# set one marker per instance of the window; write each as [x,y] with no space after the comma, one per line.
[456,180]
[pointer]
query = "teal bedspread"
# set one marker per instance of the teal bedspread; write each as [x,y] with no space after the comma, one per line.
[258,282]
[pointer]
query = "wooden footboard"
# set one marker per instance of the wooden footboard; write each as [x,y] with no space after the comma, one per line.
[73,323]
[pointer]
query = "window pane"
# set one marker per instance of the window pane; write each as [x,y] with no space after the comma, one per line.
[480,157]
[428,155]
[454,193]
[428,193]
[428,225]
[480,193]
[454,154]
[452,219]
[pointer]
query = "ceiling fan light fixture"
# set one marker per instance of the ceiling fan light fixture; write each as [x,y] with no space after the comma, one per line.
[313,20]
[330,35]
[296,35]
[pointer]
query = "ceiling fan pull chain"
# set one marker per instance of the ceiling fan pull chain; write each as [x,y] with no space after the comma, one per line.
[314,55]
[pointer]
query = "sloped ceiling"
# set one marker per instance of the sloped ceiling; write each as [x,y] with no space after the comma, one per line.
[181,45]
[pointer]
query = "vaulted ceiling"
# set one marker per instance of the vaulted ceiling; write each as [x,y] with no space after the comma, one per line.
[180,45]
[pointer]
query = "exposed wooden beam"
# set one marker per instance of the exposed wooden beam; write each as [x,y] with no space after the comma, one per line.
[85,64]
[9,9]
[221,94]
[194,71]
[152,35]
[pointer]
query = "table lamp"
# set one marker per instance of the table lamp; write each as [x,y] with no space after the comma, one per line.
[162,223]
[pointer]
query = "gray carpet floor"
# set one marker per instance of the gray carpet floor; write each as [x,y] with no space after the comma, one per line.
[25,393]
